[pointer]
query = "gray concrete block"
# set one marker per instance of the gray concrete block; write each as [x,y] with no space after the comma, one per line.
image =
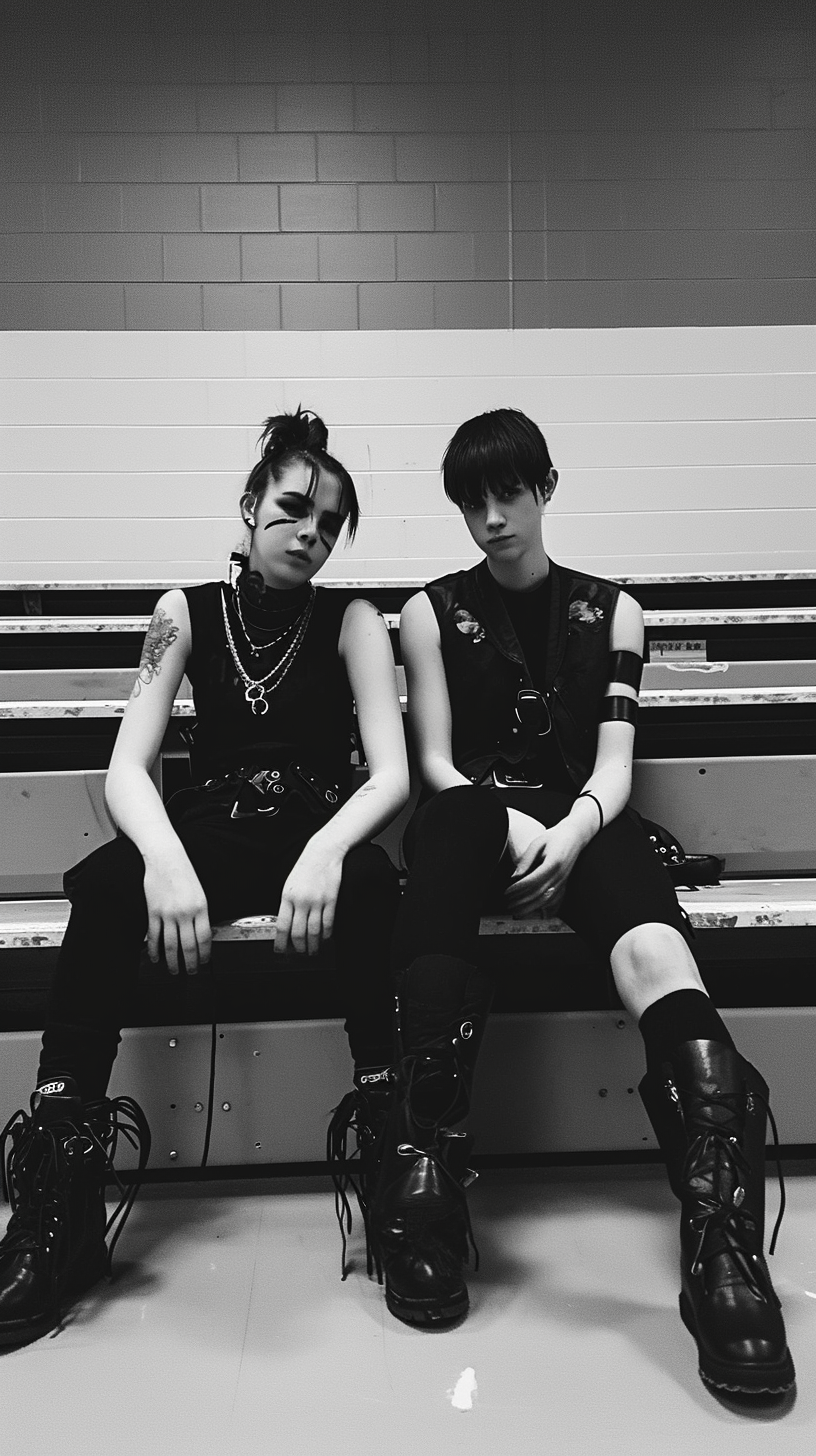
[161,208]
[435,256]
[370,56]
[531,309]
[19,108]
[349,157]
[396,207]
[163,306]
[269,56]
[332,52]
[529,205]
[472,306]
[444,108]
[794,104]
[774,154]
[410,58]
[471,206]
[583,204]
[279,257]
[491,256]
[240,207]
[315,108]
[235,108]
[433,158]
[396,306]
[157,108]
[725,303]
[21,207]
[738,105]
[62,306]
[79,257]
[279,158]
[241,305]
[120,158]
[188,158]
[538,155]
[319,305]
[532,255]
[580,305]
[318,207]
[79,108]
[82,207]
[208,258]
[355,257]
[39,159]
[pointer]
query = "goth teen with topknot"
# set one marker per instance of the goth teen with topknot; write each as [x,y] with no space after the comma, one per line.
[270,825]
[523,680]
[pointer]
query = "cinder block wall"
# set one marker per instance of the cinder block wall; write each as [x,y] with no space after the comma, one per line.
[345,164]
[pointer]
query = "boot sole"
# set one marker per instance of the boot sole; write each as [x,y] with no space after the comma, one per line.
[428,1316]
[25,1332]
[740,1379]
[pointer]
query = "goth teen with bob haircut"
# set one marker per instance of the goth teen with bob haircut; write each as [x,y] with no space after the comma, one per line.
[270,825]
[523,680]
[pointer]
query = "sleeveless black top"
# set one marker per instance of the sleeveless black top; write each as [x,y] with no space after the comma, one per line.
[311,713]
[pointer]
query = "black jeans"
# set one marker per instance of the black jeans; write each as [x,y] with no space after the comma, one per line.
[242,866]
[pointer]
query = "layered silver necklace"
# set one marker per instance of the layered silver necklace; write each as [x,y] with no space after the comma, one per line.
[256,689]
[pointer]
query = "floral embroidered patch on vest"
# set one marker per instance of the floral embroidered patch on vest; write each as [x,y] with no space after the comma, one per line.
[468,625]
[583,612]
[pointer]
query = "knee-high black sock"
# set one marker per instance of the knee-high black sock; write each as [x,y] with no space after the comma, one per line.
[680,1016]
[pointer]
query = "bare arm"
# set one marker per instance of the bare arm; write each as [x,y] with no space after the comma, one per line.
[544,865]
[177,911]
[429,710]
[306,914]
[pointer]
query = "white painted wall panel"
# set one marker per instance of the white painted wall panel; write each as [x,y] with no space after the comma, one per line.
[680,449]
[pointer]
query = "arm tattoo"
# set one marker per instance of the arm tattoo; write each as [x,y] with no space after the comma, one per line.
[161,634]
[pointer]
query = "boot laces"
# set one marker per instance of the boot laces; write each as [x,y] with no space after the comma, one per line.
[722,1223]
[356,1114]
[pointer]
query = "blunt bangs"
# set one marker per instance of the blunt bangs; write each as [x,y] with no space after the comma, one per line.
[494,451]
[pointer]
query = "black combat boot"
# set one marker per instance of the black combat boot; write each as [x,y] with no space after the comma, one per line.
[420,1221]
[54,1176]
[708,1110]
[363,1112]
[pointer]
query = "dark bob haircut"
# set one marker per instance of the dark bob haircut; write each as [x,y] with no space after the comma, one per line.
[494,451]
[300,436]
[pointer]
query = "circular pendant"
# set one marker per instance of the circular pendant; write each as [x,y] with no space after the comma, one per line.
[256,699]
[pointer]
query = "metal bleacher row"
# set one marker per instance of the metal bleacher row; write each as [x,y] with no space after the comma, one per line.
[725,756]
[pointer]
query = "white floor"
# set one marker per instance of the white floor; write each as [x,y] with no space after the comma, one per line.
[229,1331]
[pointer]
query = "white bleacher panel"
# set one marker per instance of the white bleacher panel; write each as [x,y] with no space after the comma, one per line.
[680,449]
[50,820]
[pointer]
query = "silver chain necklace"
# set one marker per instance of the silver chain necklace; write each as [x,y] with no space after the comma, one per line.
[256,689]
[257,649]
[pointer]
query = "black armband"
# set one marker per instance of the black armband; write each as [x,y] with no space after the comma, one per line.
[619,709]
[626,667]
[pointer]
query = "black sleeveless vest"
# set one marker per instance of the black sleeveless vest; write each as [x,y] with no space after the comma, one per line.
[485,667]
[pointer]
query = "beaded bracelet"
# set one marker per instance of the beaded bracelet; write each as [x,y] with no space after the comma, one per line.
[587,795]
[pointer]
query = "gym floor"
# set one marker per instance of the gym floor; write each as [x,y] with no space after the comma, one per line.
[228,1331]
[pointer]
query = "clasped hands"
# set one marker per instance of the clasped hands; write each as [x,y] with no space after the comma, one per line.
[543,860]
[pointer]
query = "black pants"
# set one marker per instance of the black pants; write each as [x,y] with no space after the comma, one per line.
[455,848]
[242,866]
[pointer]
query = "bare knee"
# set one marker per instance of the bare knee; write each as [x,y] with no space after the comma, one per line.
[651,961]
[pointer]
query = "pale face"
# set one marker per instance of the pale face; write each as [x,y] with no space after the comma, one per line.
[294,532]
[506,524]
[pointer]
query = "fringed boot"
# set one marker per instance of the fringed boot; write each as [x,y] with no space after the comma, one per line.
[420,1221]
[363,1112]
[708,1111]
[54,1176]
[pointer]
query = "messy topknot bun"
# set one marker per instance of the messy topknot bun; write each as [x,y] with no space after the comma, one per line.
[300,436]
[300,433]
